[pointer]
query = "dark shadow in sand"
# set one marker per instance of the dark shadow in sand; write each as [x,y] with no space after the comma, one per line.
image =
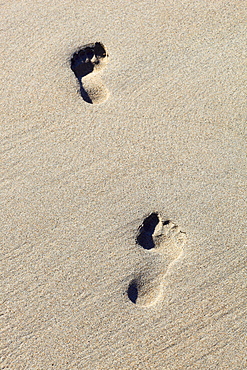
[133,291]
[145,234]
[82,65]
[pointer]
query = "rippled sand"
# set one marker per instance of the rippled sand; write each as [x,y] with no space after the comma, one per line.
[123,189]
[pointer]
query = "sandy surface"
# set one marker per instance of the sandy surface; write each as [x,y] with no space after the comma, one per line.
[78,180]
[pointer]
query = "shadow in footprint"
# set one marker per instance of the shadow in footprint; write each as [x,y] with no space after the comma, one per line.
[133,291]
[145,234]
[91,58]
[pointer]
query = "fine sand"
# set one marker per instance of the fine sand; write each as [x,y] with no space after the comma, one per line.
[123,185]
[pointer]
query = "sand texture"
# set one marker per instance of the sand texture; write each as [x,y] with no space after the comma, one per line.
[123,185]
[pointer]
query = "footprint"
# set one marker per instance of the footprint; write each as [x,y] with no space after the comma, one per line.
[87,64]
[166,240]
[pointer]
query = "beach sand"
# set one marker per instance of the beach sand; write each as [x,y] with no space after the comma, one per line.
[123,216]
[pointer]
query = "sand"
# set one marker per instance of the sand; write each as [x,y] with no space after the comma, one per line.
[160,153]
